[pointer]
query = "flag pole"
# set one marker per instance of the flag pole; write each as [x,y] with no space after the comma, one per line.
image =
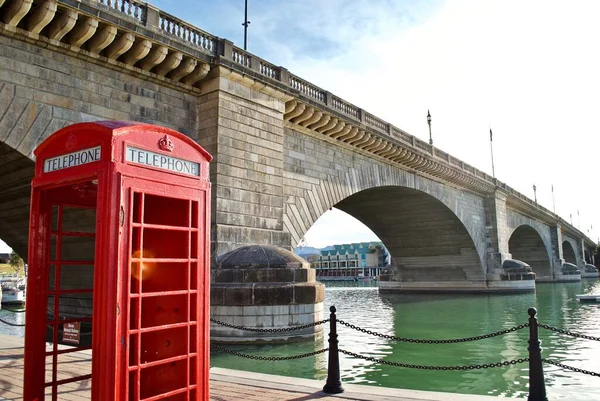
[492,152]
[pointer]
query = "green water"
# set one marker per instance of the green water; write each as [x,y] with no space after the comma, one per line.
[446,316]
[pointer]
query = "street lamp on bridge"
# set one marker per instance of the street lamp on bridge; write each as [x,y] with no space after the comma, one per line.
[534,193]
[429,123]
[245,24]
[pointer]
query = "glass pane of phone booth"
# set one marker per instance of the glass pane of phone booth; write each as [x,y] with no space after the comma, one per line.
[70,284]
[163,297]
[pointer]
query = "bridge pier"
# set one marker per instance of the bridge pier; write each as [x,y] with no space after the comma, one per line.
[498,286]
[242,127]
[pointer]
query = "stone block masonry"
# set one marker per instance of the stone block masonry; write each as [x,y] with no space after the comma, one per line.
[244,129]
[43,90]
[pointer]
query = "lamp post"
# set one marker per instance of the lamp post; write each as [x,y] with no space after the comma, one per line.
[534,193]
[492,152]
[245,24]
[429,123]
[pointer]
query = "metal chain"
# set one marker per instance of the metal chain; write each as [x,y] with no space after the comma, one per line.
[65,317]
[23,325]
[569,333]
[419,341]
[268,358]
[560,365]
[12,324]
[282,330]
[429,367]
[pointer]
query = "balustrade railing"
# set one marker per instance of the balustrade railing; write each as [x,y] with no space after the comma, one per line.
[241,57]
[441,154]
[306,88]
[269,70]
[131,8]
[422,145]
[345,108]
[403,136]
[187,33]
[375,122]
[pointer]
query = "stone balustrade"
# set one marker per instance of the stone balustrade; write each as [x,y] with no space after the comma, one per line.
[137,36]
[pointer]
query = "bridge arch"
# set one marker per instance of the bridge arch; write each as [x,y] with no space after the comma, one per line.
[16,172]
[433,232]
[527,244]
[569,254]
[587,256]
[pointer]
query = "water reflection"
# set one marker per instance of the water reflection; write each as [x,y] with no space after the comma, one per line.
[14,318]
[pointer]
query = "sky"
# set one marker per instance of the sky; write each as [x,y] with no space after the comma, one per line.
[529,70]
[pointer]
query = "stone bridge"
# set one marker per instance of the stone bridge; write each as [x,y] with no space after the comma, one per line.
[285,151]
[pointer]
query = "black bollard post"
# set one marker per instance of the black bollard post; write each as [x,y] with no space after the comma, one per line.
[334,384]
[537,387]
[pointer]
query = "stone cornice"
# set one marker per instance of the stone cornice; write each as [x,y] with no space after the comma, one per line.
[305,117]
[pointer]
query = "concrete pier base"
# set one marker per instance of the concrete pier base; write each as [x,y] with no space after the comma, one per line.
[567,278]
[268,288]
[492,286]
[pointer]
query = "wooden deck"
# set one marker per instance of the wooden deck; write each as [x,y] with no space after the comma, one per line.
[225,384]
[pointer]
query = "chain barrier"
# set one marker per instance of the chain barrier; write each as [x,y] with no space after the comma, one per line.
[419,341]
[429,367]
[568,333]
[268,358]
[12,324]
[282,330]
[560,365]
[23,325]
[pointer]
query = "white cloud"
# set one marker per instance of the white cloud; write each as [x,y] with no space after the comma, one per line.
[337,227]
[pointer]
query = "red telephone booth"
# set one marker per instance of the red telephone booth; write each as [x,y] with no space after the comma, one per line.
[118,263]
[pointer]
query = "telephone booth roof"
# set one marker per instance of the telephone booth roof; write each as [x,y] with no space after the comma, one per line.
[120,142]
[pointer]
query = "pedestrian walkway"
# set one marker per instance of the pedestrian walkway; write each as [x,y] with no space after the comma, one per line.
[225,384]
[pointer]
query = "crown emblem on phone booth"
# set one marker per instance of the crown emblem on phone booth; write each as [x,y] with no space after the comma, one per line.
[165,143]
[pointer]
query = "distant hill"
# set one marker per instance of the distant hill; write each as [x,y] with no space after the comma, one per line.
[304,251]
[307,252]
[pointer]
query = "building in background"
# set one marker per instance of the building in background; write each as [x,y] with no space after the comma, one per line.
[347,261]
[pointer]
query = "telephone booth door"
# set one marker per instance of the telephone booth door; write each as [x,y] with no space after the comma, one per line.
[166,297]
[69,281]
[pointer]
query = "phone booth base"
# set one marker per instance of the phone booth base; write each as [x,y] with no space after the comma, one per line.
[118,264]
